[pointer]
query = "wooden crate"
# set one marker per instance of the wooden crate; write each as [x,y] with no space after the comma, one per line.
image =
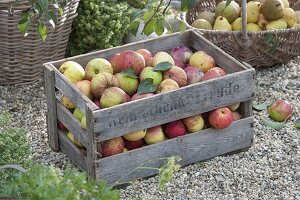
[104,124]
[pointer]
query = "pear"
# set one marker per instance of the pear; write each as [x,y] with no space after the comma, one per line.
[277,24]
[253,11]
[289,16]
[262,22]
[296,26]
[231,12]
[272,9]
[251,27]
[222,23]
[298,16]
[209,16]
[237,24]
[202,23]
[286,3]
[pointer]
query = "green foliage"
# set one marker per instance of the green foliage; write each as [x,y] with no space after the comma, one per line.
[137,3]
[14,147]
[100,24]
[146,86]
[166,172]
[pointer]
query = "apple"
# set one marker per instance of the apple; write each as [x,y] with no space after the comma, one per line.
[97,102]
[97,66]
[103,81]
[112,96]
[128,98]
[135,136]
[128,84]
[148,72]
[280,110]
[147,56]
[174,129]
[74,140]
[78,114]
[234,107]
[236,115]
[68,103]
[83,122]
[111,147]
[141,96]
[61,126]
[220,118]
[72,71]
[213,73]
[126,60]
[194,124]
[206,121]
[154,135]
[177,74]
[115,62]
[134,144]
[125,150]
[85,87]
[162,57]
[202,61]
[166,86]
[194,75]
[181,55]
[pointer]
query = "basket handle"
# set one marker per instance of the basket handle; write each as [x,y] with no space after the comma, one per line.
[244,19]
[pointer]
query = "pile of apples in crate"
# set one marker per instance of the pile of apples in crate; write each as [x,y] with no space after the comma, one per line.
[133,75]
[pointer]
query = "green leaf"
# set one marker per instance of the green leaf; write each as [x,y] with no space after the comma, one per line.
[130,73]
[188,4]
[261,106]
[273,125]
[159,28]
[228,2]
[148,15]
[297,124]
[43,4]
[136,13]
[275,45]
[24,25]
[268,38]
[52,19]
[163,66]
[146,86]
[150,27]
[182,26]
[61,11]
[134,26]
[42,30]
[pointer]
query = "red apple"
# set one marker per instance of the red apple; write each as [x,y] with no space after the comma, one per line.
[154,135]
[166,86]
[147,56]
[97,66]
[61,126]
[220,118]
[177,74]
[174,129]
[111,147]
[85,87]
[134,144]
[202,61]
[103,81]
[213,73]
[162,57]
[280,110]
[112,96]
[181,55]
[128,59]
[128,98]
[236,115]
[128,84]
[194,124]
[140,96]
[194,75]
[115,62]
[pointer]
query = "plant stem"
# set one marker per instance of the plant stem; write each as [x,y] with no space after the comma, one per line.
[155,12]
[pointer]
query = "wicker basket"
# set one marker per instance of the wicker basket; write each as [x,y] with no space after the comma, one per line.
[21,57]
[250,47]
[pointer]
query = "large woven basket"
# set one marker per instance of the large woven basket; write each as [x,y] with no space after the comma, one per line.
[250,47]
[21,57]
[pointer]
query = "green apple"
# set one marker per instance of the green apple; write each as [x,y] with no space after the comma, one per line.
[128,84]
[83,122]
[148,72]
[78,114]
[74,140]
[72,71]
[135,136]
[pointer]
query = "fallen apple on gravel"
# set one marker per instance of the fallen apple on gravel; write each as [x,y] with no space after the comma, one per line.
[220,118]
[280,110]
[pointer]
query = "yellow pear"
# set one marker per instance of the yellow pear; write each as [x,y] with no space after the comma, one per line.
[237,24]
[209,16]
[298,16]
[262,22]
[272,9]
[231,12]
[202,23]
[286,3]
[222,24]
[253,11]
[277,24]
[289,16]
[296,26]
[251,27]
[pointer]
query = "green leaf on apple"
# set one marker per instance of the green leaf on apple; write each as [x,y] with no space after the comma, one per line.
[146,86]
[273,125]
[163,66]
[297,124]
[261,106]
[130,73]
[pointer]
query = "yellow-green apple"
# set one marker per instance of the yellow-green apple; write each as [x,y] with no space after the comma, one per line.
[220,118]
[72,71]
[111,147]
[177,74]
[280,110]
[127,83]
[236,115]
[85,87]
[78,114]
[194,123]
[148,72]
[154,135]
[112,96]
[234,107]
[125,150]
[166,86]
[174,129]
[181,55]
[97,66]
[68,103]
[147,56]
[61,126]
[134,144]
[202,61]
[162,57]
[194,75]
[141,96]
[213,73]
[115,62]
[83,122]
[74,140]
[130,59]
[103,81]
[135,136]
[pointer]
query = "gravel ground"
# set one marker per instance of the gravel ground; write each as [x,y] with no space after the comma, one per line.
[270,169]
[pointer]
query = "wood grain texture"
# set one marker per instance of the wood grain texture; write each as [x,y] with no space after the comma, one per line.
[171,106]
[246,109]
[49,81]
[71,122]
[72,151]
[190,148]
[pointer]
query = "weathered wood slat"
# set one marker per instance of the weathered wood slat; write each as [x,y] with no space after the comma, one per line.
[171,106]
[49,81]
[72,124]
[246,109]
[72,151]
[191,148]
